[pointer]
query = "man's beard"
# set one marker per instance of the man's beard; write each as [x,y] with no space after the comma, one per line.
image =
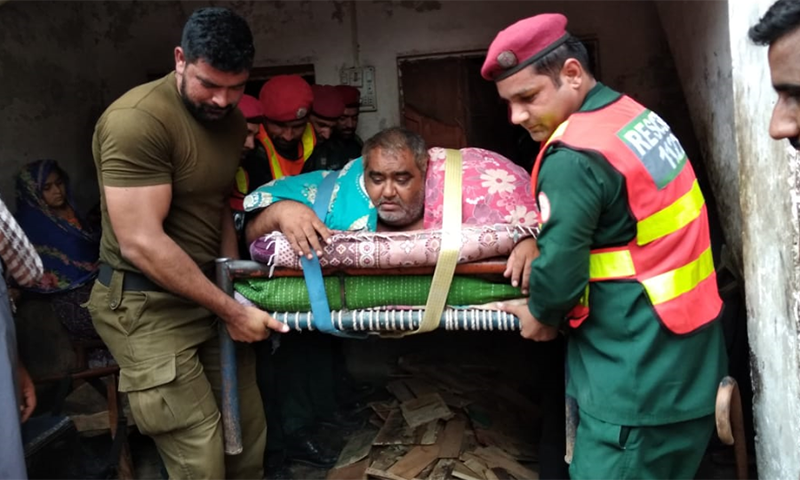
[406,214]
[347,134]
[203,112]
[795,142]
[286,148]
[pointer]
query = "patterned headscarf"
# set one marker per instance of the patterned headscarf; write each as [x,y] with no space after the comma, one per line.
[69,251]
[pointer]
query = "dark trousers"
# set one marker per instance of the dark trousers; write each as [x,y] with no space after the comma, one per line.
[296,383]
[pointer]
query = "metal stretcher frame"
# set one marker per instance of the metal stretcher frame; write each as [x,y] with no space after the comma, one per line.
[228,271]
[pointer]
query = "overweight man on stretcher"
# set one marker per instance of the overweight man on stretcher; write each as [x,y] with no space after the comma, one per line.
[398,186]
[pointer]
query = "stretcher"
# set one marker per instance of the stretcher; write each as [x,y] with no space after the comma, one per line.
[444,261]
[353,323]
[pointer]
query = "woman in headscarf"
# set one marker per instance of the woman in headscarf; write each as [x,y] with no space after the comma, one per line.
[67,243]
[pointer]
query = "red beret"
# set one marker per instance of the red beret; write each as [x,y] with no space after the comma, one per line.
[351,96]
[327,102]
[523,43]
[285,98]
[250,107]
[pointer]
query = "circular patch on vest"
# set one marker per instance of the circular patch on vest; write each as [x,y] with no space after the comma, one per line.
[544,207]
[301,112]
[506,59]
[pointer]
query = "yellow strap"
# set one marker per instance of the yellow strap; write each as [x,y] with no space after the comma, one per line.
[682,212]
[309,141]
[616,264]
[672,284]
[450,246]
[241,181]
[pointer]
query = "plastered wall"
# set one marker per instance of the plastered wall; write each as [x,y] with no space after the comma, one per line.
[63,62]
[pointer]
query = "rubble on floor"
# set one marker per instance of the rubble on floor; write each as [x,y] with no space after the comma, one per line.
[443,422]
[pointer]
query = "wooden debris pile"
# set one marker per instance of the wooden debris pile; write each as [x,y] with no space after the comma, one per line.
[444,422]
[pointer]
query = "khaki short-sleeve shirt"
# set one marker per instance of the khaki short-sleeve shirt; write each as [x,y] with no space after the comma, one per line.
[148,137]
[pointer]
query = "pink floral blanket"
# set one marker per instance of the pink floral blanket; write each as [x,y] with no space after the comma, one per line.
[393,249]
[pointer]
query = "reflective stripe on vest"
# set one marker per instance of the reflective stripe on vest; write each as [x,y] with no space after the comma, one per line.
[240,190]
[671,253]
[276,162]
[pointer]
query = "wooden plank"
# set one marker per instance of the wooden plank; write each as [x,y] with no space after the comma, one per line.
[495,457]
[461,471]
[415,461]
[475,464]
[455,401]
[400,391]
[385,457]
[443,469]
[424,409]
[395,431]
[514,446]
[490,475]
[374,472]
[357,448]
[452,438]
[376,421]
[355,471]
[420,387]
[95,421]
[383,409]
[427,434]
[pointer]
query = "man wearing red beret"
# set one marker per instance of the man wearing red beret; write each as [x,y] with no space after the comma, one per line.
[287,136]
[332,153]
[348,122]
[625,260]
[325,111]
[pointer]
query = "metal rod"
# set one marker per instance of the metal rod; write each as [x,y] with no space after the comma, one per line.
[231,425]
[404,320]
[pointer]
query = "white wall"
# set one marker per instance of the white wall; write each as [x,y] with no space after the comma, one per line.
[770,182]
[64,62]
[699,41]
[324,34]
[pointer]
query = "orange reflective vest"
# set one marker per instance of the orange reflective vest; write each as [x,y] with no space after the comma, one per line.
[278,165]
[281,166]
[671,253]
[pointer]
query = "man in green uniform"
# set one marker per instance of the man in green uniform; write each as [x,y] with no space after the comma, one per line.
[166,153]
[780,29]
[624,259]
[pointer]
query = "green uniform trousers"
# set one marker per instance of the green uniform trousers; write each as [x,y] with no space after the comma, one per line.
[607,451]
[168,352]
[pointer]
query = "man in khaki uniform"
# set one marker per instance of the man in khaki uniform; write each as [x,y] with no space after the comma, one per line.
[166,153]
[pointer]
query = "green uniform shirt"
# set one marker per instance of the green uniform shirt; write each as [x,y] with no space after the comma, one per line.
[625,368]
[148,137]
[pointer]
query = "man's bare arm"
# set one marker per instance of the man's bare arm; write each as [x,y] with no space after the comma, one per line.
[137,215]
[298,223]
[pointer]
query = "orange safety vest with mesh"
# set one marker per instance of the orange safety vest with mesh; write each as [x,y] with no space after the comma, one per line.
[278,165]
[282,167]
[670,256]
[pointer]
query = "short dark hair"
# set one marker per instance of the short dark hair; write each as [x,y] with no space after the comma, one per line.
[781,18]
[552,63]
[220,37]
[396,139]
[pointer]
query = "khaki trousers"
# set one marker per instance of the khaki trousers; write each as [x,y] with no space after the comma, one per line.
[168,352]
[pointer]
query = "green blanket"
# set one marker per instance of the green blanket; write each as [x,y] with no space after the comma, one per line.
[289,294]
